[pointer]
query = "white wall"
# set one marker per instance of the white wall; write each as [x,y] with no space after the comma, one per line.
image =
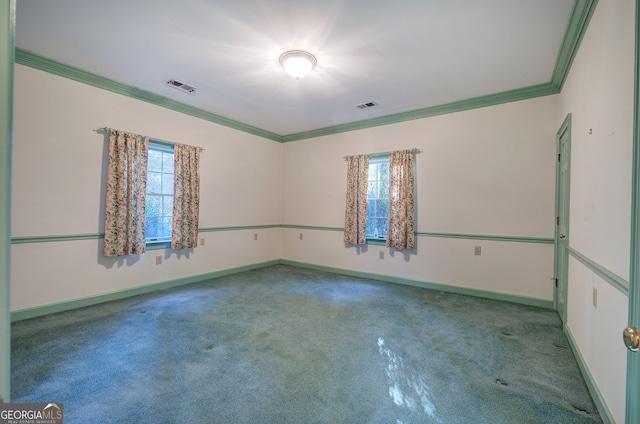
[599,95]
[59,174]
[488,171]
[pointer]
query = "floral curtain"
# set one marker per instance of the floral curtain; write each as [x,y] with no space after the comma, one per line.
[186,197]
[124,229]
[355,221]
[401,200]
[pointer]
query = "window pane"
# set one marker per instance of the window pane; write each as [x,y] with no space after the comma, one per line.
[167,163]
[154,181]
[373,224]
[378,214]
[166,227]
[383,208]
[159,205]
[155,161]
[384,186]
[154,205]
[167,207]
[373,171]
[377,227]
[153,227]
[373,190]
[371,209]
[381,226]
[167,183]
[384,169]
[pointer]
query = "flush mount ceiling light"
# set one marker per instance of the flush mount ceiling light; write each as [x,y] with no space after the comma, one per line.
[298,63]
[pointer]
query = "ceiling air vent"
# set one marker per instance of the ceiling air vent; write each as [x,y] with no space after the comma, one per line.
[366,105]
[189,89]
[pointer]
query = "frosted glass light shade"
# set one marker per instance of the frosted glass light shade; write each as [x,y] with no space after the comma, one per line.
[298,63]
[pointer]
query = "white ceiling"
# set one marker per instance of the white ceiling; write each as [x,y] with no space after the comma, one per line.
[405,55]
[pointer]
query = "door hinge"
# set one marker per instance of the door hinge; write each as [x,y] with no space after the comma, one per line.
[556,281]
[558,157]
[557,220]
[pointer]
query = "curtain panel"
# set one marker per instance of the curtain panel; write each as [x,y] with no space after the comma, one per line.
[401,233]
[355,221]
[186,197]
[124,229]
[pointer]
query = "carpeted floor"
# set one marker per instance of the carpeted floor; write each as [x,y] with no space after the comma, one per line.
[290,345]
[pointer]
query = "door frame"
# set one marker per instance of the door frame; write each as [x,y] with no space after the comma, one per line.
[7,36]
[562,283]
[633,359]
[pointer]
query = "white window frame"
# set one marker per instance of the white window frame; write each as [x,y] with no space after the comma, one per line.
[375,160]
[164,148]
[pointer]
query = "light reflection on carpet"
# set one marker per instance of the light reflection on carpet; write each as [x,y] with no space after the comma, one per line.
[406,386]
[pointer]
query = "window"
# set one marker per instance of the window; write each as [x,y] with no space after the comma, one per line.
[378,198]
[159,207]
[383,185]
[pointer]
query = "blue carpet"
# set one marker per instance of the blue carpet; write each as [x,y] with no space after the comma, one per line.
[289,345]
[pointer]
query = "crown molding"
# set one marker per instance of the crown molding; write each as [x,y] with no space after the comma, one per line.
[525,93]
[580,18]
[578,22]
[32,60]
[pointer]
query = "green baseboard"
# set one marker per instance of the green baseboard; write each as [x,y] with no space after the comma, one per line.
[531,301]
[598,399]
[94,300]
[122,294]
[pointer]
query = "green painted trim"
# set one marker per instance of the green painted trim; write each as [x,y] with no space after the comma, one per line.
[615,280]
[312,227]
[108,297]
[597,397]
[73,237]
[515,239]
[158,245]
[543,303]
[633,359]
[377,242]
[150,246]
[7,43]
[563,194]
[578,23]
[94,300]
[35,61]
[239,228]
[55,238]
[459,106]
[580,18]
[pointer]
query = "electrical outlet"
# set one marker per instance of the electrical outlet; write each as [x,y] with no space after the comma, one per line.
[595,297]
[477,250]
[381,255]
[301,236]
[158,260]
[255,236]
[202,242]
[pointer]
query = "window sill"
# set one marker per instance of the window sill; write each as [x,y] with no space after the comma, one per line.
[157,245]
[377,241]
